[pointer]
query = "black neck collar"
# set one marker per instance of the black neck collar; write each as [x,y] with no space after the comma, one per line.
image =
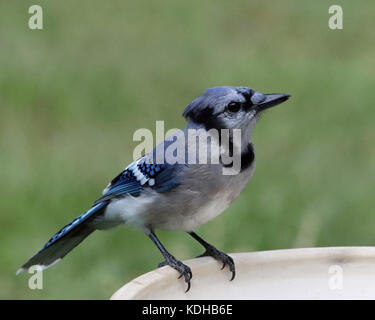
[247,157]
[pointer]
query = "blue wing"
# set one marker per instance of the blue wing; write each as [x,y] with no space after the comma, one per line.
[142,174]
[139,175]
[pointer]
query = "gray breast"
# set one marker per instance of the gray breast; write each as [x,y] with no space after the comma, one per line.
[203,194]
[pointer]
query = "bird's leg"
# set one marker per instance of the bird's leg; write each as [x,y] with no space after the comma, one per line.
[216,254]
[171,261]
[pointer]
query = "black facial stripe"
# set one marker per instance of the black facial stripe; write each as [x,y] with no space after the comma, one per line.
[200,115]
[205,116]
[247,96]
[247,104]
[210,121]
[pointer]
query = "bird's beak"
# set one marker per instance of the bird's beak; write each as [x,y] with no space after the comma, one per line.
[264,101]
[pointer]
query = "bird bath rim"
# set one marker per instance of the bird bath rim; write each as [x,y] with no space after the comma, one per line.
[303,273]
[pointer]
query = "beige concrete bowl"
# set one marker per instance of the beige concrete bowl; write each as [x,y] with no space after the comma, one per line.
[313,273]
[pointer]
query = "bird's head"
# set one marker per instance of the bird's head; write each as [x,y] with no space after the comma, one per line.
[231,107]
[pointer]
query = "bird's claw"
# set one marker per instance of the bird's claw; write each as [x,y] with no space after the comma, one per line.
[222,257]
[183,269]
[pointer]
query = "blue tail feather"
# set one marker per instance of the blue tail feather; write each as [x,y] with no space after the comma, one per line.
[65,240]
[74,223]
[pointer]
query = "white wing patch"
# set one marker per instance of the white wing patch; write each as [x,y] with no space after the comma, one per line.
[141,178]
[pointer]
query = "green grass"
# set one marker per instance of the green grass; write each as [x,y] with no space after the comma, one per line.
[72,95]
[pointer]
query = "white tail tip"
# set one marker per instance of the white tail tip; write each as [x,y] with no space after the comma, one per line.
[20,270]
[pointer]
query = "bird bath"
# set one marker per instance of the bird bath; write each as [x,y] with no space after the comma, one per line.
[310,273]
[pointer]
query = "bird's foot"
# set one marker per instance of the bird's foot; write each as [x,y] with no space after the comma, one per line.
[183,269]
[211,251]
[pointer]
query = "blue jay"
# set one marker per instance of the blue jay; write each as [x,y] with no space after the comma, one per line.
[179,196]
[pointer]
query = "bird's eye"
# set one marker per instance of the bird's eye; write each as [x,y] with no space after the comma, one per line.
[234,107]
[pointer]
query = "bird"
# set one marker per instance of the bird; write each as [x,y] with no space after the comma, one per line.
[155,195]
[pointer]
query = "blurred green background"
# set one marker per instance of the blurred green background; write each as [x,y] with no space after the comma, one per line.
[72,95]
